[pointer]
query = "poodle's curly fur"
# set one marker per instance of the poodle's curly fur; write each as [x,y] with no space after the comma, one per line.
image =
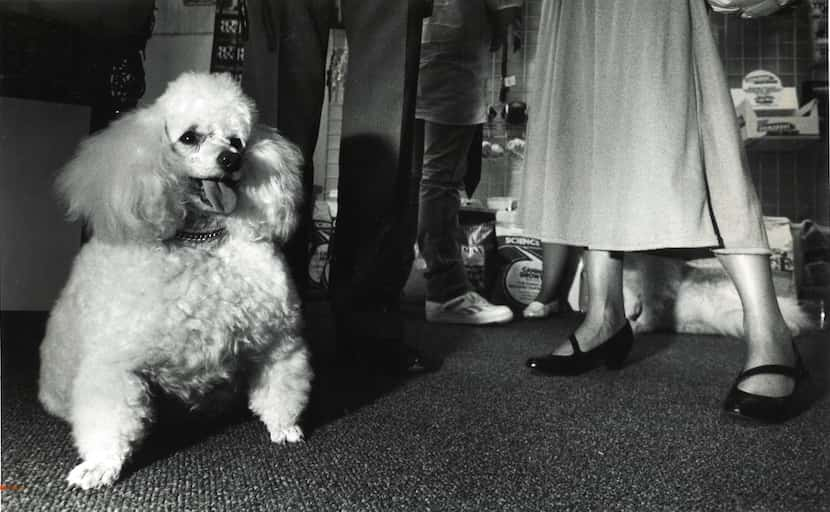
[698,297]
[144,307]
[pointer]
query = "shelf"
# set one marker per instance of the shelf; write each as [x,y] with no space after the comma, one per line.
[781,142]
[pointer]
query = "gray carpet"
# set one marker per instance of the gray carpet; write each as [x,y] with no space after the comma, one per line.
[481,434]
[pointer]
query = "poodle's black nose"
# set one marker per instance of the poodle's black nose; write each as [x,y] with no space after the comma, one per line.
[228,161]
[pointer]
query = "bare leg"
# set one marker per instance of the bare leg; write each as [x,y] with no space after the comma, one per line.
[768,338]
[606,314]
[554,258]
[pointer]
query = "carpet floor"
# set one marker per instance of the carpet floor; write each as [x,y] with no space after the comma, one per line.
[481,434]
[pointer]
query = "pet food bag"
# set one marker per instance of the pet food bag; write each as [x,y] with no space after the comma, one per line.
[812,260]
[780,239]
[520,271]
[779,234]
[477,241]
[478,248]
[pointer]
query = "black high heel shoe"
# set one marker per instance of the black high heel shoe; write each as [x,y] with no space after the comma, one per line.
[766,409]
[612,353]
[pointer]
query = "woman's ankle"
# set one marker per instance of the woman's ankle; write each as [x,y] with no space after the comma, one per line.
[598,328]
[769,344]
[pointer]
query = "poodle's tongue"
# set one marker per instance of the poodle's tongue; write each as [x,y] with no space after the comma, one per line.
[217,197]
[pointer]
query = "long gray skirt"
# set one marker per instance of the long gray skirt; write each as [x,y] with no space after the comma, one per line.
[633,142]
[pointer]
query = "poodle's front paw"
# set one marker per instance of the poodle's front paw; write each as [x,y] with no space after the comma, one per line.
[93,474]
[292,434]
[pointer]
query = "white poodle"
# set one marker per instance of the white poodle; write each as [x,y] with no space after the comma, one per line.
[669,294]
[182,286]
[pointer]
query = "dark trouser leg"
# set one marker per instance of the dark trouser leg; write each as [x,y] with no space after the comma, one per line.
[285,75]
[445,164]
[413,197]
[378,118]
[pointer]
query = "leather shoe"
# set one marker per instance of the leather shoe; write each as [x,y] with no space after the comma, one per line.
[766,409]
[611,352]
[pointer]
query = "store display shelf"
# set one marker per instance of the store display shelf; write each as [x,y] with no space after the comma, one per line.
[780,142]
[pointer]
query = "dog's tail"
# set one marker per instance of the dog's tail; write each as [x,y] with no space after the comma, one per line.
[798,320]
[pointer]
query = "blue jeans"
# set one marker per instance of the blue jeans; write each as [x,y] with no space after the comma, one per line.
[440,178]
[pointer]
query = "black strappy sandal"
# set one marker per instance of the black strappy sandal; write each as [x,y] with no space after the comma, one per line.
[766,409]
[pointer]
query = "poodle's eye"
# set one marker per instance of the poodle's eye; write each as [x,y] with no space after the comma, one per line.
[189,138]
[235,143]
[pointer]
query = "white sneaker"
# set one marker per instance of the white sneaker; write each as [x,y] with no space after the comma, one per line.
[470,308]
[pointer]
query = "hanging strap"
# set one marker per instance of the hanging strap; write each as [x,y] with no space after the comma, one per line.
[508,81]
[505,84]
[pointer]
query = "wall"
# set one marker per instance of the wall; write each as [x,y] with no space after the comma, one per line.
[37,245]
[182,41]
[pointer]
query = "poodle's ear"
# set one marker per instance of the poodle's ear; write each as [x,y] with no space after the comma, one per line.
[117,184]
[270,193]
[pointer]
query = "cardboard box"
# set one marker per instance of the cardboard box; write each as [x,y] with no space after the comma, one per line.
[774,102]
[769,112]
[803,123]
[766,95]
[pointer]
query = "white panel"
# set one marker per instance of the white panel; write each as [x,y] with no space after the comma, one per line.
[170,55]
[36,244]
